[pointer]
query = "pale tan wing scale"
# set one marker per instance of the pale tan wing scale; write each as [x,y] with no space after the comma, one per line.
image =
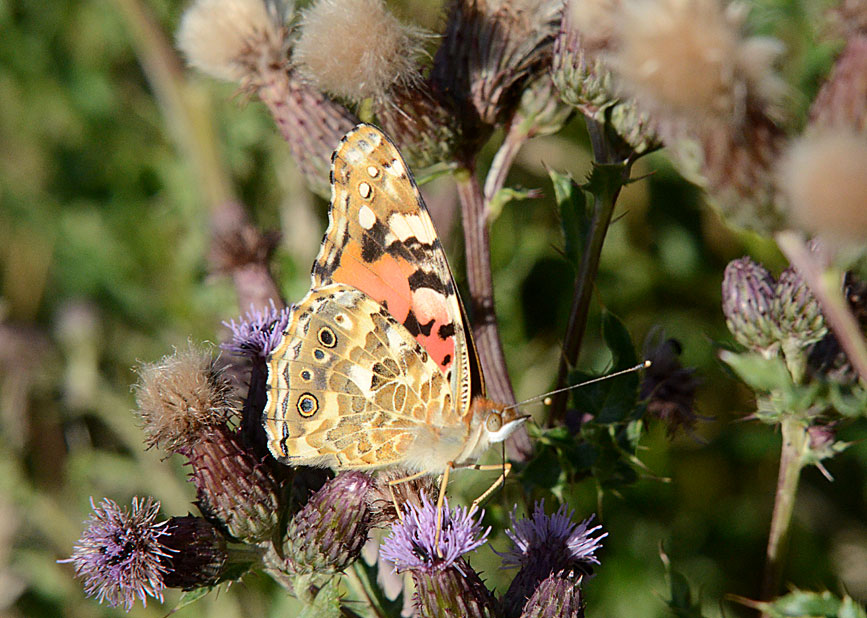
[350,387]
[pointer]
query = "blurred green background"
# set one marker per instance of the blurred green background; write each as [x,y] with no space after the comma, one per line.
[104,233]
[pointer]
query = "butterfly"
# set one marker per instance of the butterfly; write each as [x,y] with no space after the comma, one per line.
[377,367]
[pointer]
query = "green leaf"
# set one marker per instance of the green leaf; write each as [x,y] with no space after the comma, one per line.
[506,195]
[681,599]
[326,603]
[806,604]
[544,470]
[191,596]
[606,180]
[574,216]
[758,372]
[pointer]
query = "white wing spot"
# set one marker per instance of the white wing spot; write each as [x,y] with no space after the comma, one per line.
[407,226]
[361,376]
[343,320]
[364,190]
[396,168]
[366,218]
[373,171]
[395,341]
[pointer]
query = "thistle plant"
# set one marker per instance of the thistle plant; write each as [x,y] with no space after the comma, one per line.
[697,81]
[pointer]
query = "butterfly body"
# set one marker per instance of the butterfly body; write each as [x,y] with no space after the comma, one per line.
[376,367]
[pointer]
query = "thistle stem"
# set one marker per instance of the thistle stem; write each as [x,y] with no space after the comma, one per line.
[826,287]
[791,462]
[603,209]
[360,581]
[480,281]
[516,137]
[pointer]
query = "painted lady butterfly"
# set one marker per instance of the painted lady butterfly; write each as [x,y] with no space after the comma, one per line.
[377,366]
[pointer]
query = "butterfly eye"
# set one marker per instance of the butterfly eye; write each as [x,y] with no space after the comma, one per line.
[307,405]
[327,337]
[493,422]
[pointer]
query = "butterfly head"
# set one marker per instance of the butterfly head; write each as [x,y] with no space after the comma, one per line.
[500,422]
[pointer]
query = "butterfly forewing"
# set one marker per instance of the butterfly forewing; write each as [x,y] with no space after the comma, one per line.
[350,387]
[381,241]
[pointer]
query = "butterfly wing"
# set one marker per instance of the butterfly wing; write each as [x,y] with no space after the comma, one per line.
[349,387]
[381,240]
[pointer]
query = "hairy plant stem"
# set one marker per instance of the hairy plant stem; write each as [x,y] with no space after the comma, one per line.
[480,281]
[603,209]
[794,432]
[826,285]
[516,137]
[359,580]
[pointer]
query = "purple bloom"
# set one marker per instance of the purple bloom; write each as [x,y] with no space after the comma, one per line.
[411,542]
[258,332]
[541,532]
[119,553]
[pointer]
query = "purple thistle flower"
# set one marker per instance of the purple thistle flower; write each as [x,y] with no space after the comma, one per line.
[411,542]
[541,532]
[546,547]
[119,554]
[257,333]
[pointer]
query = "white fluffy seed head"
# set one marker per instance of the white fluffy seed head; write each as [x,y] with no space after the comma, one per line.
[594,19]
[356,49]
[689,58]
[232,39]
[824,185]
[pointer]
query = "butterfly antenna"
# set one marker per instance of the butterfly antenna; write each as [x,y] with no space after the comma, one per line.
[639,366]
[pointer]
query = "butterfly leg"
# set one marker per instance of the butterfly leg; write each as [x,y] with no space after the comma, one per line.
[440,499]
[394,482]
[506,467]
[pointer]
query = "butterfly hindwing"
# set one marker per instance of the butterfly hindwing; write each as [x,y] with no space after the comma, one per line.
[381,241]
[349,386]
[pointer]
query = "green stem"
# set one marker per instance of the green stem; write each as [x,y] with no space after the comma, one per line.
[603,209]
[358,579]
[791,462]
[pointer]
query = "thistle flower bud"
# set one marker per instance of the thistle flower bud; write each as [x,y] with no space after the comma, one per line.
[327,534]
[233,486]
[445,583]
[796,310]
[490,51]
[546,546]
[405,493]
[197,555]
[585,80]
[120,554]
[558,596]
[747,303]
[668,386]
[181,396]
[541,112]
